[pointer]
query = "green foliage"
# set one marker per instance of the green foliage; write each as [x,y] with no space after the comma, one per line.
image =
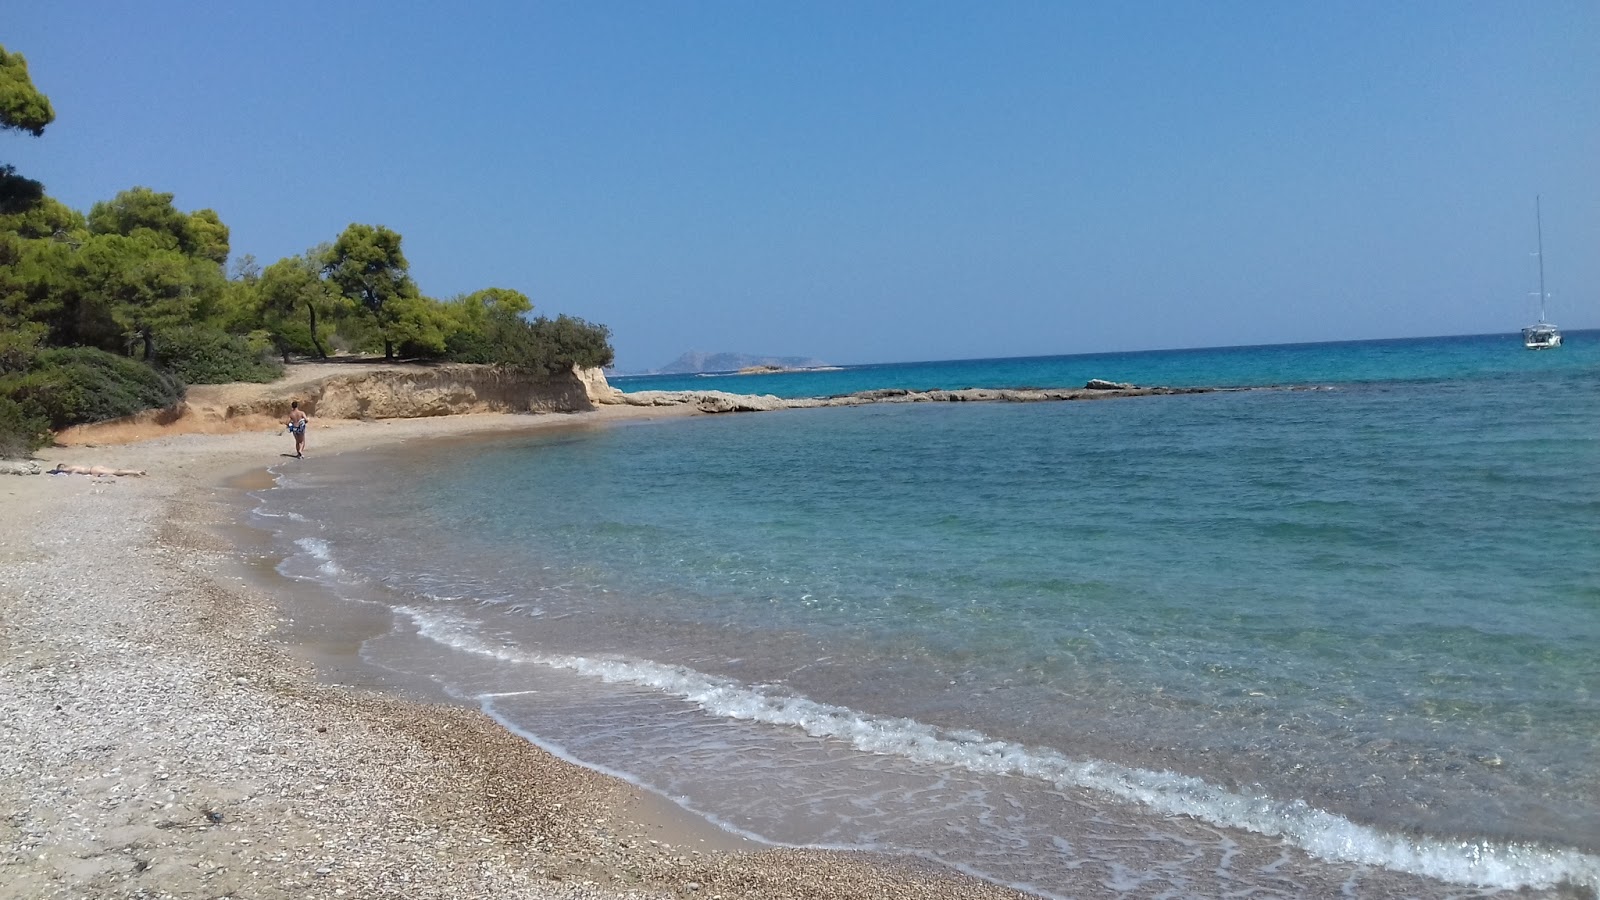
[77,385]
[21,431]
[290,298]
[22,106]
[138,274]
[478,306]
[151,218]
[574,342]
[142,287]
[199,354]
[469,346]
[47,218]
[206,237]
[420,326]
[365,264]
[543,346]
[19,347]
[18,194]
[142,212]
[34,286]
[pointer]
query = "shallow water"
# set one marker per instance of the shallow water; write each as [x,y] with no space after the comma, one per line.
[1285,641]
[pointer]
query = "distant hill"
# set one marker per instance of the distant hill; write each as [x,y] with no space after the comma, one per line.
[694,362]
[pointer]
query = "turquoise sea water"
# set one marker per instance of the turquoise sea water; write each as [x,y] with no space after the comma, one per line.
[1285,643]
[1409,359]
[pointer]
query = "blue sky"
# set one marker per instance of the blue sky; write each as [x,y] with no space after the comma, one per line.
[873,182]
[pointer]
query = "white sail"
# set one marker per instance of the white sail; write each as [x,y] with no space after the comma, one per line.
[1541,336]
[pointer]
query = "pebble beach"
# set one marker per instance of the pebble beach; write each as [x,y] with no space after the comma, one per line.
[164,739]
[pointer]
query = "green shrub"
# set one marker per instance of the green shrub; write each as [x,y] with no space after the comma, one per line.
[574,342]
[77,385]
[201,355]
[19,346]
[355,335]
[544,346]
[469,346]
[21,431]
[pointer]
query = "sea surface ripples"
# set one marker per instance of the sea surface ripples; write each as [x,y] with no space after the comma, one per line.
[1281,641]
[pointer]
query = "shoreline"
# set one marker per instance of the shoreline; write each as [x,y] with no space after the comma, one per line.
[169,740]
[326,633]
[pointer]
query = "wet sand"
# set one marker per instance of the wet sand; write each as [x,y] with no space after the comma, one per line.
[170,732]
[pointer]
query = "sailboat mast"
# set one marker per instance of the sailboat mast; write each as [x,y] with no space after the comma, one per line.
[1538,224]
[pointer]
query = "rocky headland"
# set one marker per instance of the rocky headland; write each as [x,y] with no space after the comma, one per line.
[723,402]
[380,391]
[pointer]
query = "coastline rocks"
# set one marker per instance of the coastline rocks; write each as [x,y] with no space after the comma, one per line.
[344,390]
[720,402]
[723,402]
[595,385]
[705,401]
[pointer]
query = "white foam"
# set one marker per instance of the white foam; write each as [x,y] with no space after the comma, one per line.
[319,550]
[1318,832]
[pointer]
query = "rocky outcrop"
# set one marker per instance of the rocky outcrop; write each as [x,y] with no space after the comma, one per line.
[409,391]
[720,402]
[355,391]
[441,391]
[706,401]
[595,385]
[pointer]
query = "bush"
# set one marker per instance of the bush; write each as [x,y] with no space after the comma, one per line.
[19,347]
[201,355]
[77,385]
[574,342]
[21,431]
[543,346]
[469,346]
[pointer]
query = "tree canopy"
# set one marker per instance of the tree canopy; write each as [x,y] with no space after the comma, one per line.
[106,310]
[22,106]
[365,264]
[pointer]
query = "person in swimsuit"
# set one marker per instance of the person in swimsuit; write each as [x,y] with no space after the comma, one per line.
[98,471]
[297,427]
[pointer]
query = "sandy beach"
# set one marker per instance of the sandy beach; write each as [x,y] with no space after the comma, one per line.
[165,738]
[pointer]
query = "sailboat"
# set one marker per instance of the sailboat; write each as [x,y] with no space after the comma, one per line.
[1542,336]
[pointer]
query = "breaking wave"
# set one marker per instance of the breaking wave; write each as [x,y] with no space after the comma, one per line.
[1322,834]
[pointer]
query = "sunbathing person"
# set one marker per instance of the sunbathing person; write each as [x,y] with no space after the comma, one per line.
[64,469]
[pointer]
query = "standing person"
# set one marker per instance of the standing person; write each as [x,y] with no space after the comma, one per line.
[297,427]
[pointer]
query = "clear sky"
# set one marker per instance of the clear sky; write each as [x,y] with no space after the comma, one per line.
[873,181]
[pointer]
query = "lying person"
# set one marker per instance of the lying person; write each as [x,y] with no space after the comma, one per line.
[64,469]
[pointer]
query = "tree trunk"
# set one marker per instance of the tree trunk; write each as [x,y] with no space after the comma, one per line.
[312,310]
[149,345]
[388,350]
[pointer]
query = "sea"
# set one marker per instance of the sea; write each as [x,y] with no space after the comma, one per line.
[1333,633]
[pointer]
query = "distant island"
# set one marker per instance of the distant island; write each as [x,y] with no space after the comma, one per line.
[695,362]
